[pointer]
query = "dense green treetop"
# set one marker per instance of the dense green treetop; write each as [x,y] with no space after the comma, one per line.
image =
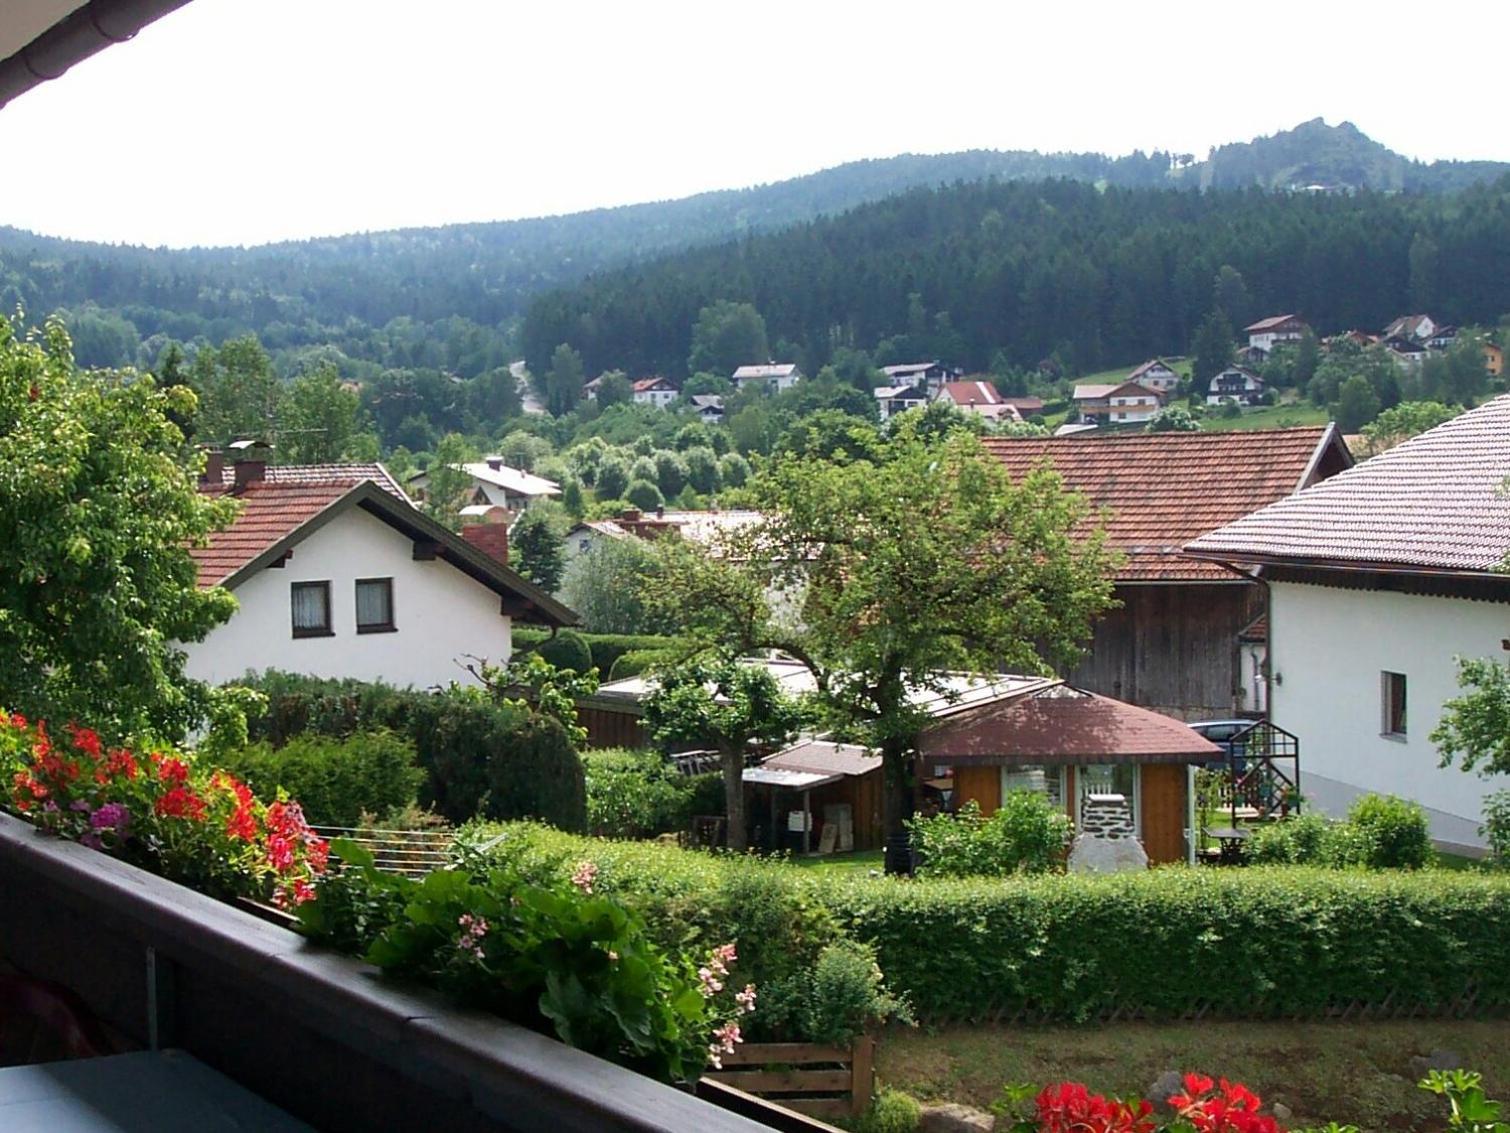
[99,507]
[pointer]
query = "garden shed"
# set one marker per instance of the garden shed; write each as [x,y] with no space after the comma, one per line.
[1070,744]
[817,795]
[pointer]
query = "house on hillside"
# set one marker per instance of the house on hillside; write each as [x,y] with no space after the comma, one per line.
[339,575]
[928,376]
[709,408]
[1407,352]
[1418,328]
[655,391]
[1026,406]
[980,398]
[1235,384]
[1443,338]
[1268,333]
[494,482]
[774,376]
[1378,579]
[1124,404]
[1157,375]
[891,400]
[1174,643]
[1494,360]
[702,527]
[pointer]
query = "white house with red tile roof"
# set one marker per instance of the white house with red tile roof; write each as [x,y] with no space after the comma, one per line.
[494,482]
[774,376]
[338,575]
[1235,384]
[655,391]
[1378,579]
[1174,643]
[1157,375]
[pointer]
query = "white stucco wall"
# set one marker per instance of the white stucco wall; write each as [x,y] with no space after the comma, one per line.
[1329,647]
[442,615]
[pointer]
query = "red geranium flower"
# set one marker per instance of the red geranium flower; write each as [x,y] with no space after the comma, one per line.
[180,802]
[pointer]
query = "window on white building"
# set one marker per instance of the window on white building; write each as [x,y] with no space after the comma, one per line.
[311,609]
[1392,703]
[375,605]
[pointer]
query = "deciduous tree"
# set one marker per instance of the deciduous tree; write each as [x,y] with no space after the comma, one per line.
[921,560]
[99,511]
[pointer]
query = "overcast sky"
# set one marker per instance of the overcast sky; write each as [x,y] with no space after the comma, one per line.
[244,121]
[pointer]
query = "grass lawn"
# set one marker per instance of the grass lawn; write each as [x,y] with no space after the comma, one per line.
[1358,1073]
[1269,417]
[1118,375]
[860,861]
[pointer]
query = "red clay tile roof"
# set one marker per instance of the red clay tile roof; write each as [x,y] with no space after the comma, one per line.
[1435,502]
[270,510]
[288,496]
[1164,489]
[971,393]
[1063,724]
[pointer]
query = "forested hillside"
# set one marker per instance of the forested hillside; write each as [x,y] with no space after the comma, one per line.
[449,298]
[1057,269]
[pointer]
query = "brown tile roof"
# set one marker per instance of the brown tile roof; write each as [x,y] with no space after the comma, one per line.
[971,393]
[347,474]
[1164,489]
[1063,724]
[1273,322]
[1434,502]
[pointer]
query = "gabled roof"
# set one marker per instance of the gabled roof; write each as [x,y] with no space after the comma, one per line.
[1273,322]
[492,470]
[970,393]
[707,401]
[646,385]
[1431,504]
[1093,391]
[1164,489]
[318,474]
[1243,370]
[1149,365]
[906,369]
[278,514]
[1408,325]
[769,370]
[1133,389]
[900,393]
[1062,724]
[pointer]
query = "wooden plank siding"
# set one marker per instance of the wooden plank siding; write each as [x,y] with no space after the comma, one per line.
[1162,796]
[607,727]
[982,784]
[1172,647]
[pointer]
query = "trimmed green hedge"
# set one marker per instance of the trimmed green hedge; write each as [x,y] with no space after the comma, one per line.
[335,780]
[1248,943]
[606,648]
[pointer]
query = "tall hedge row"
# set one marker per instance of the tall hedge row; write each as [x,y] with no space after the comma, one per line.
[605,648]
[480,758]
[1258,942]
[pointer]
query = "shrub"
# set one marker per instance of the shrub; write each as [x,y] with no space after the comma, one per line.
[638,662]
[638,794]
[1394,832]
[606,647]
[1308,839]
[336,780]
[478,755]
[846,994]
[1496,827]
[892,1111]
[644,495]
[567,650]
[1026,835]
[559,958]
[1261,942]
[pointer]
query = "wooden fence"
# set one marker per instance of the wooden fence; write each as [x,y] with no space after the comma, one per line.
[820,1081]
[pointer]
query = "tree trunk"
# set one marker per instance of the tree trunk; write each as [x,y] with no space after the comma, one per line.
[897,803]
[734,800]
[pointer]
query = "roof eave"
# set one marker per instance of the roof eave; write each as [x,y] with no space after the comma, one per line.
[1310,562]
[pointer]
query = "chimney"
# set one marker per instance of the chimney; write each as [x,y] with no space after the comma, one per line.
[249,459]
[214,468]
[494,462]
[630,515]
[491,539]
[660,511]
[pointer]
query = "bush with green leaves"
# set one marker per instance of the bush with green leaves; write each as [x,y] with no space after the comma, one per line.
[335,780]
[892,1111]
[1394,832]
[846,994]
[559,958]
[480,755]
[606,648]
[1027,834]
[1380,832]
[639,794]
[568,649]
[1496,827]
[645,495]
[1262,942]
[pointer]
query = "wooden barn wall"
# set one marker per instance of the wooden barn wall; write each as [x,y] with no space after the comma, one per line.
[1172,648]
[1162,795]
[983,784]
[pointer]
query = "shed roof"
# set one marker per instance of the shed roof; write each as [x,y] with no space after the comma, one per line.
[1162,490]
[1434,502]
[1062,724]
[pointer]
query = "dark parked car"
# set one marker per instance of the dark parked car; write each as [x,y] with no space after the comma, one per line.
[1221,733]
